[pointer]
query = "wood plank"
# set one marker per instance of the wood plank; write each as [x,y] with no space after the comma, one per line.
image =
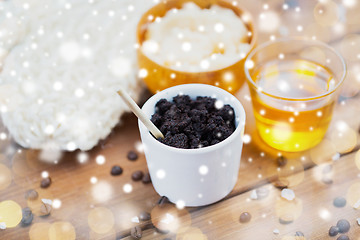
[313,206]
[71,180]
[71,183]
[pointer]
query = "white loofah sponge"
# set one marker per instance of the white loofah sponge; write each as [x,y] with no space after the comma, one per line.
[62,65]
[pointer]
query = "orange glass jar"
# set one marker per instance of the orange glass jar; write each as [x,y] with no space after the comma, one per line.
[158,77]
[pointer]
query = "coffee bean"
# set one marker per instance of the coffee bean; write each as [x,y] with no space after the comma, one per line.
[45,209]
[136,232]
[137,175]
[146,178]
[102,143]
[281,161]
[339,202]
[162,201]
[327,180]
[333,231]
[245,217]
[27,217]
[144,216]
[343,237]
[116,170]
[281,184]
[343,225]
[285,221]
[132,156]
[147,226]
[31,194]
[299,234]
[45,182]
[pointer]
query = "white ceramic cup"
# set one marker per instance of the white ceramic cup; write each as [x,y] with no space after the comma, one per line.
[194,177]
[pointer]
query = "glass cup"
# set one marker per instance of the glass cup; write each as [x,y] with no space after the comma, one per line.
[158,77]
[294,84]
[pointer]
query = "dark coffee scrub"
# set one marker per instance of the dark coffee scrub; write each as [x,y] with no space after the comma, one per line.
[188,123]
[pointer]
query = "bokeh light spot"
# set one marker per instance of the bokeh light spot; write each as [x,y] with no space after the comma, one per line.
[5,177]
[323,152]
[203,170]
[102,191]
[101,220]
[344,138]
[288,210]
[39,231]
[127,188]
[350,47]
[10,213]
[170,218]
[62,231]
[326,13]
[353,195]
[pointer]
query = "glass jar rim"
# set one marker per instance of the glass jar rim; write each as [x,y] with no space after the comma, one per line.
[287,40]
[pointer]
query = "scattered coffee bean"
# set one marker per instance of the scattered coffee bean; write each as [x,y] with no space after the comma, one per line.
[343,237]
[339,202]
[245,217]
[144,216]
[136,232]
[103,143]
[299,234]
[137,175]
[333,231]
[327,180]
[146,178]
[31,194]
[343,225]
[281,184]
[281,161]
[147,226]
[116,170]
[45,182]
[132,156]
[162,201]
[45,209]
[285,221]
[27,217]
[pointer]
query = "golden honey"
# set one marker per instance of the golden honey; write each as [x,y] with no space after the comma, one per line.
[290,114]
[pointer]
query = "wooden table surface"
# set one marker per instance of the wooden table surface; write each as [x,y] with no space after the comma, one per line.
[95,205]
